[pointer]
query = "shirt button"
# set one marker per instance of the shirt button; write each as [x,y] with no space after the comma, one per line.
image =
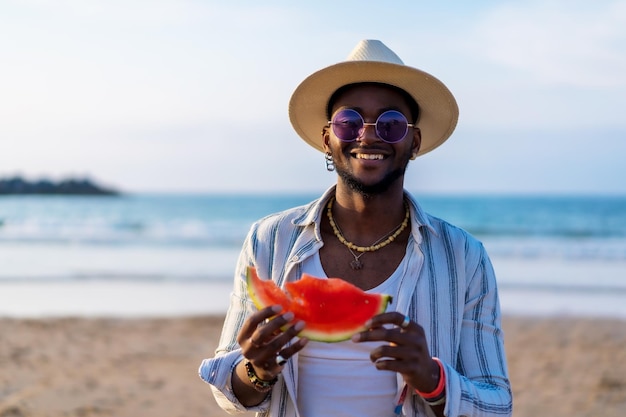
[295,258]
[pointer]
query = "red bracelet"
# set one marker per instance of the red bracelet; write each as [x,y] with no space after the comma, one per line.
[441,385]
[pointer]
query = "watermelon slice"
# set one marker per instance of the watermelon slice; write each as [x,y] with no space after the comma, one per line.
[332,308]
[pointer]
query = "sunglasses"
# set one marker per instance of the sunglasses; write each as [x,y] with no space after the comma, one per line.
[391,126]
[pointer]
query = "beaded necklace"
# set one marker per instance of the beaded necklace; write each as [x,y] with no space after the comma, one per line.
[390,237]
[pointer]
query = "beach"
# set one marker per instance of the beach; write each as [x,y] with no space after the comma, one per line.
[108,306]
[129,367]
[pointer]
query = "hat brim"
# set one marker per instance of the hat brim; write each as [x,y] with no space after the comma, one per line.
[438,109]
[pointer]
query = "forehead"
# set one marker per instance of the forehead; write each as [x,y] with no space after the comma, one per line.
[370,96]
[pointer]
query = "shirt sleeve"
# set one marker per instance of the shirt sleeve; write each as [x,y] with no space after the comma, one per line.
[479,386]
[217,371]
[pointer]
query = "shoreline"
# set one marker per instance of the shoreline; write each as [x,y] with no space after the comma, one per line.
[138,282]
[137,299]
[123,367]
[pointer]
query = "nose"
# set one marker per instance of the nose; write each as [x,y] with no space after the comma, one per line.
[368,135]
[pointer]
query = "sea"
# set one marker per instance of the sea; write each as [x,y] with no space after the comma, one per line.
[167,255]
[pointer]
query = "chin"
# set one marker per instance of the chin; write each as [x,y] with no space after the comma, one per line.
[372,189]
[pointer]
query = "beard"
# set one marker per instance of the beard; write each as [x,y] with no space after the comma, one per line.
[370,190]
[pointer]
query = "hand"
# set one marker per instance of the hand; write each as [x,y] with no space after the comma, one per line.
[262,340]
[406,353]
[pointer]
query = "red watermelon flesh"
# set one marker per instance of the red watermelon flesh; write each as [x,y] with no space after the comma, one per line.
[333,309]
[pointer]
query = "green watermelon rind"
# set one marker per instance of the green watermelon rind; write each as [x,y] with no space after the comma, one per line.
[261,300]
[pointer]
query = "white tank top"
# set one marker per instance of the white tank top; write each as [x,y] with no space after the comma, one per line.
[339,379]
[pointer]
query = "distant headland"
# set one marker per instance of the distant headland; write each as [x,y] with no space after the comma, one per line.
[72,186]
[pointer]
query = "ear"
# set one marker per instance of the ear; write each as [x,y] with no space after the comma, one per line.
[417,142]
[326,138]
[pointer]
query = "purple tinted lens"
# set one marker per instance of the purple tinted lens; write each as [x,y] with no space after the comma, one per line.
[391,126]
[347,125]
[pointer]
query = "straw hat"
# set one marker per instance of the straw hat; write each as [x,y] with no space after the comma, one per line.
[372,61]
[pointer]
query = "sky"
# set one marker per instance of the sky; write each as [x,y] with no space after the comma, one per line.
[191,96]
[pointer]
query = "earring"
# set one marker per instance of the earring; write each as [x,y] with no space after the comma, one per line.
[330,164]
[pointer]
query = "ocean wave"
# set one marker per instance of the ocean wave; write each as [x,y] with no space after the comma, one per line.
[565,288]
[228,232]
[121,241]
[613,287]
[125,233]
[544,231]
[521,246]
[593,227]
[128,276]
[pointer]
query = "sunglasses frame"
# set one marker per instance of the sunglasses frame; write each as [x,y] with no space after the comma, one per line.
[361,130]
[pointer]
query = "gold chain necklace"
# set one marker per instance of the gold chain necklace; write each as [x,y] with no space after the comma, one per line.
[357,264]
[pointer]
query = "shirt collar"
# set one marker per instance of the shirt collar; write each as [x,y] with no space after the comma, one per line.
[313,213]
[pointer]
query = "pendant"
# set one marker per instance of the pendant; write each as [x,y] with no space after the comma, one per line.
[356,265]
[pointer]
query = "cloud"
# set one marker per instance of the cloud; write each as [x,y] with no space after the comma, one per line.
[559,42]
[139,12]
[551,64]
[193,94]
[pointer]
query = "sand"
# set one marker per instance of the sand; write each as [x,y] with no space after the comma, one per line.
[148,367]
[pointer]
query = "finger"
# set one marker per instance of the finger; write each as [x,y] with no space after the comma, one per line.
[253,322]
[275,324]
[395,318]
[410,353]
[385,326]
[283,338]
[274,355]
[393,365]
[294,348]
[269,334]
[286,353]
[267,341]
[382,334]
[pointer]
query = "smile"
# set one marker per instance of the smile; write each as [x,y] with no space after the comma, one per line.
[370,156]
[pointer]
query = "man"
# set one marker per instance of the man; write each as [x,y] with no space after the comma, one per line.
[441,351]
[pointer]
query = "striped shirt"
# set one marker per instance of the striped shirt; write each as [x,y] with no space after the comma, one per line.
[448,286]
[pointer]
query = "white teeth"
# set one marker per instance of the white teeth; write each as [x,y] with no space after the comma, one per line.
[369,156]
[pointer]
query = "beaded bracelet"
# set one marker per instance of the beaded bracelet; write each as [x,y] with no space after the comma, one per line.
[436,402]
[259,384]
[436,396]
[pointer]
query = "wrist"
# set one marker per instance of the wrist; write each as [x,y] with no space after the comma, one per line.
[258,383]
[437,395]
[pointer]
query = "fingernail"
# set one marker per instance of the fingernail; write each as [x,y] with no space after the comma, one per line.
[356,337]
[299,325]
[277,308]
[288,316]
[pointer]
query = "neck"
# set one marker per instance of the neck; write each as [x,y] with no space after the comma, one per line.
[383,241]
[365,205]
[363,219]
